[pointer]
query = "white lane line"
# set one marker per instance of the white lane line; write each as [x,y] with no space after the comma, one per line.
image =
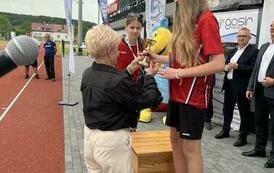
[15,99]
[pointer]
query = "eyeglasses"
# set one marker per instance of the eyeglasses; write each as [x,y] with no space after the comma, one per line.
[243,36]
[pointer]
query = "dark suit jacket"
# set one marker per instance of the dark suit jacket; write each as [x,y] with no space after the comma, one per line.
[268,91]
[246,63]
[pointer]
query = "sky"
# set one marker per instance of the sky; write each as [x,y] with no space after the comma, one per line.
[53,8]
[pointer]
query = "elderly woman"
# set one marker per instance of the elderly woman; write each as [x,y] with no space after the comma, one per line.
[111,102]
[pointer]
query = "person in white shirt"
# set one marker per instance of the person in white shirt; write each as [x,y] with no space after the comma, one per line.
[261,86]
[239,65]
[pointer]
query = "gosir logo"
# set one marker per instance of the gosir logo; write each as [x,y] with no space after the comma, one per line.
[235,23]
[221,22]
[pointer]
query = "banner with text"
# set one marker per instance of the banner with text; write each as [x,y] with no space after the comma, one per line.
[267,18]
[218,103]
[230,22]
[155,12]
[103,7]
[113,7]
[68,12]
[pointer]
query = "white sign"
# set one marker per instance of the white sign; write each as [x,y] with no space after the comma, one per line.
[230,22]
[267,18]
[155,12]
[68,13]
[218,103]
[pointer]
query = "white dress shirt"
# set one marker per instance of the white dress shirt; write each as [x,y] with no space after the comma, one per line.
[235,58]
[268,54]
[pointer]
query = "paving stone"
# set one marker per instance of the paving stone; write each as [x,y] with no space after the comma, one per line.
[220,156]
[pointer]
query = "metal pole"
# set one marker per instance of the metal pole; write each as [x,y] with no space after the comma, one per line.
[80,29]
[98,14]
[68,87]
[69,102]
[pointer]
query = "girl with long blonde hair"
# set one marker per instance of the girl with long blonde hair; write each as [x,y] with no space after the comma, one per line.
[197,53]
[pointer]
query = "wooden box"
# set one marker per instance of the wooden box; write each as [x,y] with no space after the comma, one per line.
[151,152]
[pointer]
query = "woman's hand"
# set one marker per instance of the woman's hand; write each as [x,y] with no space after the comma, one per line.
[153,68]
[169,73]
[154,57]
[150,55]
[134,65]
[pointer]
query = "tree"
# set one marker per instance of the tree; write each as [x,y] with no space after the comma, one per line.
[22,23]
[5,27]
[23,28]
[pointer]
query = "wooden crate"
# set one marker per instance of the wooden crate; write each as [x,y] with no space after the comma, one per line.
[151,152]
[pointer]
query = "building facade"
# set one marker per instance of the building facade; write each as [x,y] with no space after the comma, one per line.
[57,32]
[117,17]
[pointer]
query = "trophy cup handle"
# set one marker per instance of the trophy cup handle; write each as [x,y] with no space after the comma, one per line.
[149,42]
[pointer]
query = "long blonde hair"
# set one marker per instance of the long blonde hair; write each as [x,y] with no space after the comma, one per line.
[182,42]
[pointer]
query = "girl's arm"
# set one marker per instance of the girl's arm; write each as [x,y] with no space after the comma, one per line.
[156,58]
[216,64]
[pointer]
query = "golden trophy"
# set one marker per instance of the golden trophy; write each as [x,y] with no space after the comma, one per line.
[148,43]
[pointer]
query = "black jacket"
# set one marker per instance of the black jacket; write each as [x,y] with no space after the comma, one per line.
[268,91]
[245,66]
[112,100]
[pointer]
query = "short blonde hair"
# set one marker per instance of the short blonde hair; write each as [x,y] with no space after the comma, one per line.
[99,39]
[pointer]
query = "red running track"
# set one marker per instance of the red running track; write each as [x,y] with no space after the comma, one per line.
[32,131]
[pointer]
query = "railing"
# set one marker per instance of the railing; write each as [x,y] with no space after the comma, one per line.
[237,4]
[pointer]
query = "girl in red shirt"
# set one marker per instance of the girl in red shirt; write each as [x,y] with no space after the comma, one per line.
[131,44]
[197,53]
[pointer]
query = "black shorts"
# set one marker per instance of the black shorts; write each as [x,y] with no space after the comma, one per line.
[188,120]
[35,64]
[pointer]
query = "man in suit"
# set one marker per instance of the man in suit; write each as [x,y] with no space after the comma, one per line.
[261,86]
[239,65]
